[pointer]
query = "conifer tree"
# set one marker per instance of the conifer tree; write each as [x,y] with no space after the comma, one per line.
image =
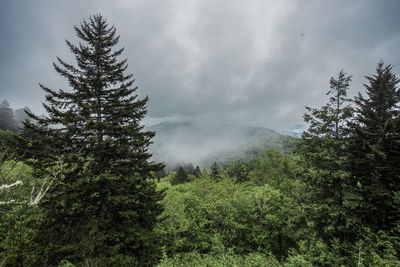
[324,148]
[215,174]
[197,171]
[101,117]
[105,206]
[7,121]
[21,116]
[180,177]
[375,150]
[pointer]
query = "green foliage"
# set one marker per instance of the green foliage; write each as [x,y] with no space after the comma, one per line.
[17,217]
[114,222]
[334,202]
[197,171]
[221,260]
[17,230]
[209,216]
[375,150]
[215,172]
[65,263]
[17,183]
[238,172]
[104,205]
[273,168]
[7,139]
[180,177]
[99,121]
[324,150]
[351,176]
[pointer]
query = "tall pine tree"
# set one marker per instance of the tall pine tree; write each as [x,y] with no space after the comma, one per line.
[324,148]
[106,204]
[375,150]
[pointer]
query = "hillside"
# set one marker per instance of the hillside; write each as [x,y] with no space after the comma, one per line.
[178,142]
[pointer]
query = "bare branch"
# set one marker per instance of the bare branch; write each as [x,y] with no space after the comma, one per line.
[7,186]
[35,195]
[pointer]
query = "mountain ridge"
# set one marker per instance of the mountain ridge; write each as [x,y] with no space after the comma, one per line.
[184,142]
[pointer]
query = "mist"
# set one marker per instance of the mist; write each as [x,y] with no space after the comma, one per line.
[202,144]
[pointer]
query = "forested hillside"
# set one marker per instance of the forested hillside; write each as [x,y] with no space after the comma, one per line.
[79,186]
[202,144]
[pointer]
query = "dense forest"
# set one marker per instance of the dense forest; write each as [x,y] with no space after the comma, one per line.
[79,186]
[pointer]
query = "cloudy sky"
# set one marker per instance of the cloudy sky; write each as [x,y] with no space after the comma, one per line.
[223,61]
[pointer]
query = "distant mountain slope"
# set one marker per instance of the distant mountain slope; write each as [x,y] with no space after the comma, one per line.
[202,144]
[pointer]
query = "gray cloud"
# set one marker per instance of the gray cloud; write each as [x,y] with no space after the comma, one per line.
[243,62]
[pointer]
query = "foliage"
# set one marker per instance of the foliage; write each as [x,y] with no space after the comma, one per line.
[65,263]
[17,183]
[221,260]
[7,139]
[90,231]
[209,216]
[238,172]
[7,121]
[215,172]
[180,177]
[375,150]
[17,230]
[351,174]
[18,211]
[84,193]
[104,205]
[324,149]
[272,168]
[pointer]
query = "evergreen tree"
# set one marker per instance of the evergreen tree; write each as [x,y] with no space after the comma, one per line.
[7,121]
[106,204]
[215,174]
[375,150]
[180,177]
[197,171]
[101,117]
[21,116]
[238,172]
[189,168]
[323,146]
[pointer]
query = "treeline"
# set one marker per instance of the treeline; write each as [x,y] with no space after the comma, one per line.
[10,119]
[353,148]
[333,202]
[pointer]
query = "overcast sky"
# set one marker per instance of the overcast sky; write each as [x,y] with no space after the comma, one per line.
[223,61]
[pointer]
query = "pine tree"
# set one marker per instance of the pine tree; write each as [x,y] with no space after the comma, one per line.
[215,174]
[101,117]
[21,116]
[375,150]
[180,177]
[7,121]
[197,171]
[106,205]
[323,146]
